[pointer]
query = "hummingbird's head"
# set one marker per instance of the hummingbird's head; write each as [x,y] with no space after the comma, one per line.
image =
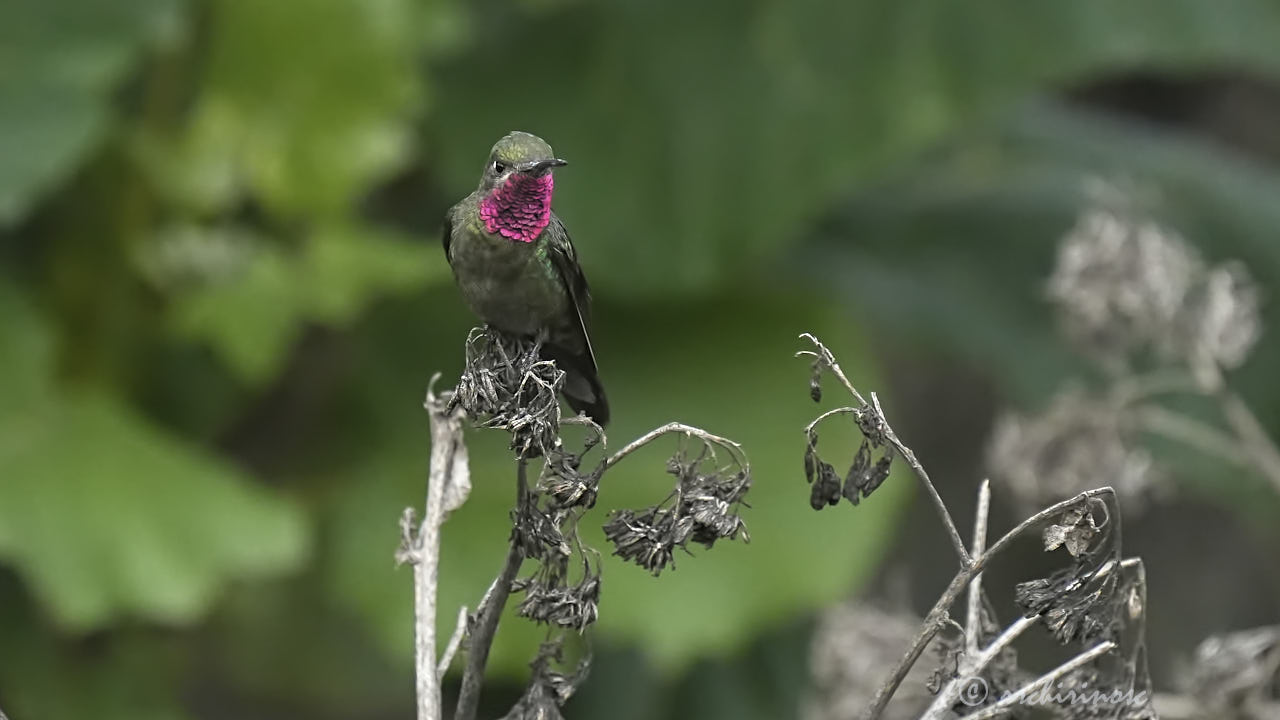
[517,187]
[518,153]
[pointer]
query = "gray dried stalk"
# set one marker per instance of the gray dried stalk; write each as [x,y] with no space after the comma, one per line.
[1095,606]
[1161,323]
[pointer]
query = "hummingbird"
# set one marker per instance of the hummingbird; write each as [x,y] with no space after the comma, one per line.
[516,266]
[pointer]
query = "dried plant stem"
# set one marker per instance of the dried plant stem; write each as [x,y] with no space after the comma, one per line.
[973,618]
[421,547]
[933,622]
[1002,706]
[828,359]
[732,447]
[488,614]
[940,709]
[459,631]
[938,617]
[1252,435]
[830,413]
[823,355]
[1006,638]
[943,514]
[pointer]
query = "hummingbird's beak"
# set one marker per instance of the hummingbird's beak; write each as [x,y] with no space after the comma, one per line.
[537,167]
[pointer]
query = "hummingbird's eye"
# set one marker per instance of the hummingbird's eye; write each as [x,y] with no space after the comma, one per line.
[498,167]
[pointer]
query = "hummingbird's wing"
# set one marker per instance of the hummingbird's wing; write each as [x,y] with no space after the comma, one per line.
[564,258]
[448,234]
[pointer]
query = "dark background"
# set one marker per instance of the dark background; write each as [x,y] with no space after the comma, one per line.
[222,295]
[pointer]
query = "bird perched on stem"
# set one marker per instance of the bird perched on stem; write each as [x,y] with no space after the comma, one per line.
[516,266]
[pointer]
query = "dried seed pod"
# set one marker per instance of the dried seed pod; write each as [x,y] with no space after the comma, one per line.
[826,490]
[857,469]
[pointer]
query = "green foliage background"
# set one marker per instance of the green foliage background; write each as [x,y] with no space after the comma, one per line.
[222,295]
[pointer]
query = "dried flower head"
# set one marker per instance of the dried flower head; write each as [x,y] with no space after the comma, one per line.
[563,482]
[1120,281]
[1075,603]
[702,509]
[548,689]
[1219,323]
[547,600]
[1087,601]
[1075,530]
[537,532]
[875,429]
[852,646]
[1080,442]
[1237,676]
[1126,285]
[509,386]
[647,538]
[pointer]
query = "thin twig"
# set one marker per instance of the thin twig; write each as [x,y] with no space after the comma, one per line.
[973,619]
[488,614]
[587,422]
[808,429]
[829,360]
[1140,569]
[732,447]
[943,514]
[825,356]
[933,622]
[1006,638]
[1002,705]
[459,631]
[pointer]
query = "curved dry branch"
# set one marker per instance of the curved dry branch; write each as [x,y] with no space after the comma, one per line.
[734,449]
[825,360]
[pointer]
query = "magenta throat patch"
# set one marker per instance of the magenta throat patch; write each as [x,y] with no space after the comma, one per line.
[520,208]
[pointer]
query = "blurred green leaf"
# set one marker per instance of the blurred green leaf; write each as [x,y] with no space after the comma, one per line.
[106,516]
[742,121]
[726,365]
[60,61]
[305,126]
[957,248]
[121,676]
[253,317]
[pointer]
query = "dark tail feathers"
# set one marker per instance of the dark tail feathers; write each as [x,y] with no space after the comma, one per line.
[582,387]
